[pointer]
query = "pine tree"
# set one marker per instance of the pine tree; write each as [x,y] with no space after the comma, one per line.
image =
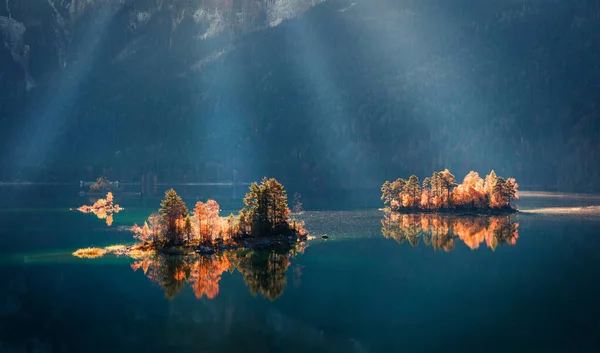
[386,193]
[427,188]
[172,208]
[266,206]
[413,189]
[397,191]
[448,181]
[511,190]
[500,191]
[427,183]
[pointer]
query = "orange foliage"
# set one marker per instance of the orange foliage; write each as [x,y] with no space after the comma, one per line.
[441,192]
[89,253]
[144,264]
[298,227]
[425,196]
[208,220]
[141,233]
[263,271]
[179,275]
[103,209]
[440,231]
[407,200]
[206,274]
[472,233]
[436,202]
[471,193]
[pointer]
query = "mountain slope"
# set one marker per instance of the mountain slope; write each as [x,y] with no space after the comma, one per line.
[347,94]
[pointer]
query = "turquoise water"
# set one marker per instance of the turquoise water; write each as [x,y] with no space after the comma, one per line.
[358,291]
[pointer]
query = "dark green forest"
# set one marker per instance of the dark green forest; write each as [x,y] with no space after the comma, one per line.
[341,96]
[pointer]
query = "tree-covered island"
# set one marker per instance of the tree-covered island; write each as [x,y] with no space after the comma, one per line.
[176,246]
[263,221]
[441,193]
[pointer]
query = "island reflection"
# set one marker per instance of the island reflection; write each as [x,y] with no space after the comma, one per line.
[103,208]
[263,271]
[440,231]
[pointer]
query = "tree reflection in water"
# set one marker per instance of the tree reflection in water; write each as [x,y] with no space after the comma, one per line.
[103,208]
[440,231]
[264,271]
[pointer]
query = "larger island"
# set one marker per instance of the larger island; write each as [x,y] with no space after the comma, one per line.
[264,219]
[441,193]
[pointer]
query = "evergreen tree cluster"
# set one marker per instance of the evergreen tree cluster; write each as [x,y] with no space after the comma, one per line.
[266,208]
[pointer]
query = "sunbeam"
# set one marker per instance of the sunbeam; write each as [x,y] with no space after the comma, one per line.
[46,119]
[336,137]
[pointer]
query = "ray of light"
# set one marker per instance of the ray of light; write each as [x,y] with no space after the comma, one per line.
[46,118]
[422,51]
[335,136]
[220,115]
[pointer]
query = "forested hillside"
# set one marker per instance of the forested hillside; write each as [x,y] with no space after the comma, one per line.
[332,94]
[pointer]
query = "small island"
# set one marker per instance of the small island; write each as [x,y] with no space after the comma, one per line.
[103,208]
[441,193]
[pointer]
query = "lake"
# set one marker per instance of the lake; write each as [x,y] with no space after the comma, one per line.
[524,283]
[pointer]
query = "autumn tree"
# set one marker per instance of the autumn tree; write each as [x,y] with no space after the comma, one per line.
[172,209]
[141,233]
[212,217]
[230,228]
[101,184]
[109,198]
[200,214]
[156,227]
[489,186]
[470,193]
[207,216]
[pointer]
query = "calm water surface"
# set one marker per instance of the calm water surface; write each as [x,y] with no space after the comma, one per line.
[526,284]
